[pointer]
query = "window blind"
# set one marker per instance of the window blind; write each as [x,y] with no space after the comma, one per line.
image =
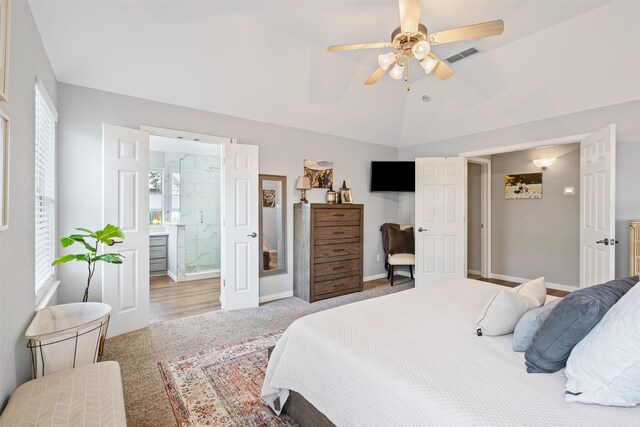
[45,206]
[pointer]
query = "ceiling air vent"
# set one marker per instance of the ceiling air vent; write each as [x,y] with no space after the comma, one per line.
[465,53]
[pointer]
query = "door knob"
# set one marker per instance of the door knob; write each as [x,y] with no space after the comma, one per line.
[254,234]
[605,241]
[422,229]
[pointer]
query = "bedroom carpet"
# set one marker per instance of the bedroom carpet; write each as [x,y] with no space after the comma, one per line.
[222,386]
[139,352]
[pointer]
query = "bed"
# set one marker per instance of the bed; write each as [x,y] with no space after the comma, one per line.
[413,358]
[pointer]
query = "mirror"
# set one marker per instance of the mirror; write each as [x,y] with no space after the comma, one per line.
[273,224]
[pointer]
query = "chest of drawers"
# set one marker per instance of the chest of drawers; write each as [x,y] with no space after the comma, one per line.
[634,246]
[327,250]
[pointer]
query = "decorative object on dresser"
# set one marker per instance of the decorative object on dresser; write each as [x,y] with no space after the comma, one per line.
[303,184]
[158,247]
[634,246]
[332,196]
[327,248]
[345,193]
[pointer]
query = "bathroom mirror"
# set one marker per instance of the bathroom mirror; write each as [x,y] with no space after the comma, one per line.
[273,224]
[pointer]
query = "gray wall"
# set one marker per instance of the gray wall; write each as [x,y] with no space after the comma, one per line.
[624,115]
[17,278]
[474,217]
[282,152]
[534,237]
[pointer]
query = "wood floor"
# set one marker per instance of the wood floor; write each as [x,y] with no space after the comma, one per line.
[170,300]
[554,292]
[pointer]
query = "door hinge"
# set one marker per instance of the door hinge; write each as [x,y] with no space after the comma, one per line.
[224,283]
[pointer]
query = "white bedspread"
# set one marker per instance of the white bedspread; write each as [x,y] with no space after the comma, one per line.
[413,358]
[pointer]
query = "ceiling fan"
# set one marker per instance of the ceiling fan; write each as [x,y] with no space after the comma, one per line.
[412,39]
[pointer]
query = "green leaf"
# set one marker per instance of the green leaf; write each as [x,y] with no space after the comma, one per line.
[80,239]
[66,242]
[64,259]
[89,232]
[82,257]
[108,233]
[110,258]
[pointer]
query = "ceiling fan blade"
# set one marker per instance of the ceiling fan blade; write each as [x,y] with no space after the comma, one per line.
[409,16]
[442,69]
[476,31]
[339,47]
[373,78]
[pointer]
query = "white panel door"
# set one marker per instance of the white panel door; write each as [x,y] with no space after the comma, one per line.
[125,203]
[240,254]
[597,207]
[440,218]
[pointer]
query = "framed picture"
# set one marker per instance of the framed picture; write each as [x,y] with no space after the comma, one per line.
[345,195]
[523,186]
[268,198]
[5,10]
[319,172]
[4,171]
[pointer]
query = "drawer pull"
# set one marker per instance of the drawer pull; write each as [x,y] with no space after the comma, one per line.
[338,250]
[339,268]
[338,232]
[338,215]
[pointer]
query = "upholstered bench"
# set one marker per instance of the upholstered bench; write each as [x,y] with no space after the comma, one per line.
[90,395]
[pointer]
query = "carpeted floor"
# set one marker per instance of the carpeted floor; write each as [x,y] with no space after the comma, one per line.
[138,352]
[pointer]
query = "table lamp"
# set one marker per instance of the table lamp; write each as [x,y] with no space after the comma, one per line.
[303,184]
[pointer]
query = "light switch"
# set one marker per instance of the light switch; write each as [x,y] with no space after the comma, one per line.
[569,191]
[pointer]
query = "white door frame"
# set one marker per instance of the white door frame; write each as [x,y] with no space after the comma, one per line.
[194,137]
[485,215]
[563,140]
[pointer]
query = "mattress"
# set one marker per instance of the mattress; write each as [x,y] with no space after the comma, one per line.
[413,358]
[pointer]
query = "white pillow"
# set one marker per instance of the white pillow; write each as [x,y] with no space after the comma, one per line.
[534,289]
[503,311]
[604,368]
[505,308]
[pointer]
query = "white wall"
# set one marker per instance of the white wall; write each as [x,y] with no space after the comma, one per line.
[537,237]
[282,152]
[17,277]
[624,115]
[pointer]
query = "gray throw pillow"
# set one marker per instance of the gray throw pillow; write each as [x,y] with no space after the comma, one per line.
[570,321]
[529,325]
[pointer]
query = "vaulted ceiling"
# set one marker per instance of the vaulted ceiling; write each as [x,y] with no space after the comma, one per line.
[267,61]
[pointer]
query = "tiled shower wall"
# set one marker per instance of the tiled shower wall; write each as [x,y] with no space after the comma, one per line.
[199,199]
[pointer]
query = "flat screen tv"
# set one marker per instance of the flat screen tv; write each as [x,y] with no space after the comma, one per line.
[393,176]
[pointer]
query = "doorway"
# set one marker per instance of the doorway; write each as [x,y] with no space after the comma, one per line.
[184,226]
[478,217]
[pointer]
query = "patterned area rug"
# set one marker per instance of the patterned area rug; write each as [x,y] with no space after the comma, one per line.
[221,387]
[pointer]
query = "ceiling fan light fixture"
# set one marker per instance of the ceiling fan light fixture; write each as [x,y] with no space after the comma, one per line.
[421,50]
[397,71]
[386,59]
[428,64]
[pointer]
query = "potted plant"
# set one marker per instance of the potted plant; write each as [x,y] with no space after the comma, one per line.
[107,236]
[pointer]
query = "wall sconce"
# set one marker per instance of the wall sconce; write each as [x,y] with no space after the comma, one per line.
[544,163]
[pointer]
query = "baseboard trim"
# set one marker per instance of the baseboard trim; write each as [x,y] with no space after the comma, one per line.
[375,277]
[273,297]
[172,276]
[551,285]
[476,272]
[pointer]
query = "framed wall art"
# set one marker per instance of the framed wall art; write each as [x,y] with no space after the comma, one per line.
[523,186]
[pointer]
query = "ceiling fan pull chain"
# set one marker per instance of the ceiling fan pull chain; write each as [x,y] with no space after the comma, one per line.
[406,76]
